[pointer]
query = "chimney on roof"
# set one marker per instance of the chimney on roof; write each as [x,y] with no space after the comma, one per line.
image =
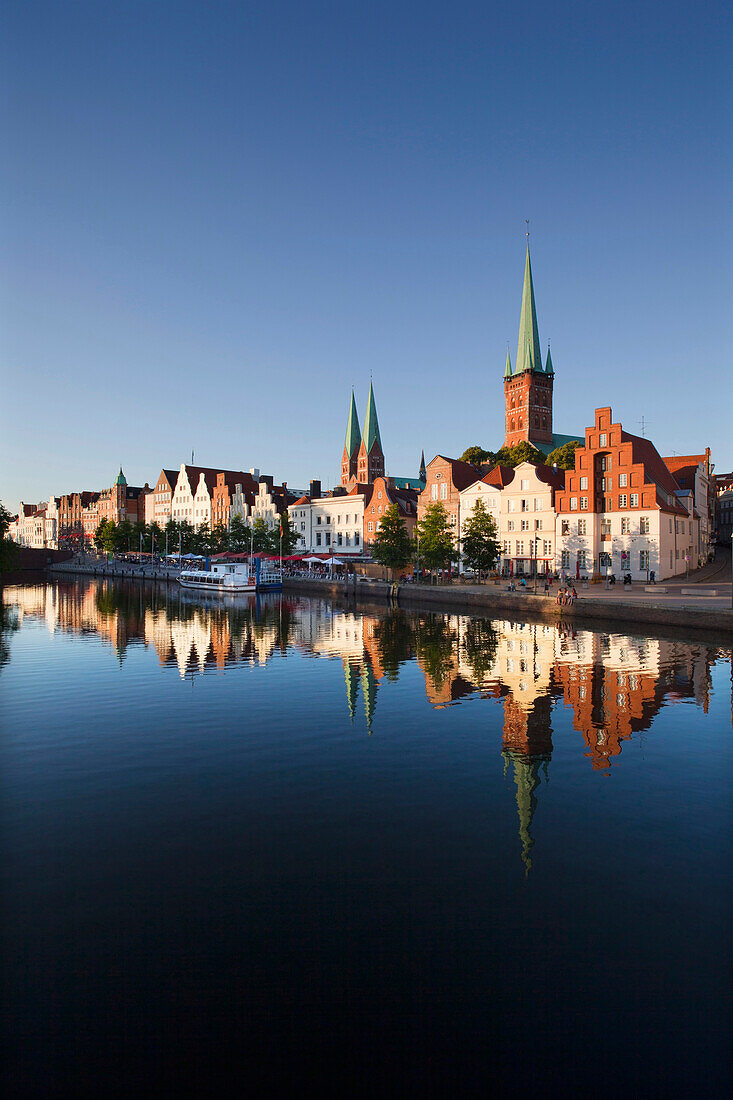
[267,480]
[315,490]
[255,473]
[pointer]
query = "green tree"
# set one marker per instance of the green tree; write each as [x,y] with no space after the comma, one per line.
[392,546]
[219,539]
[155,537]
[261,537]
[8,549]
[200,540]
[109,539]
[476,456]
[436,539]
[138,529]
[520,452]
[170,532]
[480,545]
[289,534]
[564,457]
[99,534]
[186,532]
[239,535]
[124,535]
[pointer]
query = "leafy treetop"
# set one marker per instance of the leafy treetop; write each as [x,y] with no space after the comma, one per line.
[564,457]
[391,545]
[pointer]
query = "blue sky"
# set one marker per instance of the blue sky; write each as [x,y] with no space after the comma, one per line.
[219,217]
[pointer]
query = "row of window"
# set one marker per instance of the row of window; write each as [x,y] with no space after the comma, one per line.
[583,559]
[582,526]
[523,525]
[607,504]
[340,540]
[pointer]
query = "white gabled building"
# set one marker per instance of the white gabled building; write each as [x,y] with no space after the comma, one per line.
[334,523]
[522,502]
[192,495]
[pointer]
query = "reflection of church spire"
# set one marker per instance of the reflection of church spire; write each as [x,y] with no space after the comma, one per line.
[369,691]
[527,780]
[351,675]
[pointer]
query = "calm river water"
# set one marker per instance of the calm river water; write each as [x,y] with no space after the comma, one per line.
[401,850]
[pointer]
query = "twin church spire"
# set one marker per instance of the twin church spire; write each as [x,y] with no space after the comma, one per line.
[363,457]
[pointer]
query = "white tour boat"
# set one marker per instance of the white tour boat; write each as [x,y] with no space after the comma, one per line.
[228,578]
[225,579]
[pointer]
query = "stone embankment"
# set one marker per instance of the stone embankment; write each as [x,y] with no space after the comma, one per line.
[490,599]
[118,570]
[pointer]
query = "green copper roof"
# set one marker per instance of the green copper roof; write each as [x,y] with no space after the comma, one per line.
[371,434]
[353,433]
[529,355]
[508,367]
[120,479]
[549,369]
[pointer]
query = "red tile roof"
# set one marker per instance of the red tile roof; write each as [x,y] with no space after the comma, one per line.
[462,473]
[499,476]
[654,466]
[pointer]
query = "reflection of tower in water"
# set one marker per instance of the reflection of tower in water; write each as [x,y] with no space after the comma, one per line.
[528,747]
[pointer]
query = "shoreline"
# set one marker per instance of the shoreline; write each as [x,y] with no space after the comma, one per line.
[493,599]
[479,600]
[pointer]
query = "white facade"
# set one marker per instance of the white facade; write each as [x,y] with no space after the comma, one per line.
[329,523]
[34,529]
[524,512]
[265,507]
[191,502]
[635,542]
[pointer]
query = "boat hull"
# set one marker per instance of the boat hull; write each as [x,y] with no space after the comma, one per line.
[218,589]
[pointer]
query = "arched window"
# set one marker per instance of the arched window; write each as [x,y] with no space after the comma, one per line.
[537,422]
[512,425]
[544,421]
[513,402]
[520,423]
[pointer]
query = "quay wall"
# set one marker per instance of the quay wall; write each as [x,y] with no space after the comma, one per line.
[490,600]
[483,600]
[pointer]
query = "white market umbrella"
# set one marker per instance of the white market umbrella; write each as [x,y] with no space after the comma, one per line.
[334,561]
[313,558]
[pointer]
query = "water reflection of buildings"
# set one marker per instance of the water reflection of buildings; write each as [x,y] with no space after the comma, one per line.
[614,684]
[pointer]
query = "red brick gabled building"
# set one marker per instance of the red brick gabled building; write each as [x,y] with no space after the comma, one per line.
[621,509]
[380,496]
[446,478]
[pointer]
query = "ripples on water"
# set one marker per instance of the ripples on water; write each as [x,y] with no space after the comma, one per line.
[217,847]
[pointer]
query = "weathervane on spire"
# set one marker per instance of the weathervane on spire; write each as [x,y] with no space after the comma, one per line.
[527,221]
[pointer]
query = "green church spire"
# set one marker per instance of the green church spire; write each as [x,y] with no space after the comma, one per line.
[371,424]
[508,367]
[529,354]
[353,433]
[120,479]
[549,369]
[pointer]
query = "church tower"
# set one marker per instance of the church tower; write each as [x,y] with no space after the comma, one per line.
[528,386]
[349,459]
[370,462]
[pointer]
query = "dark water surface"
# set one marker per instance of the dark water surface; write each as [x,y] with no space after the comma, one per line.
[278,841]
